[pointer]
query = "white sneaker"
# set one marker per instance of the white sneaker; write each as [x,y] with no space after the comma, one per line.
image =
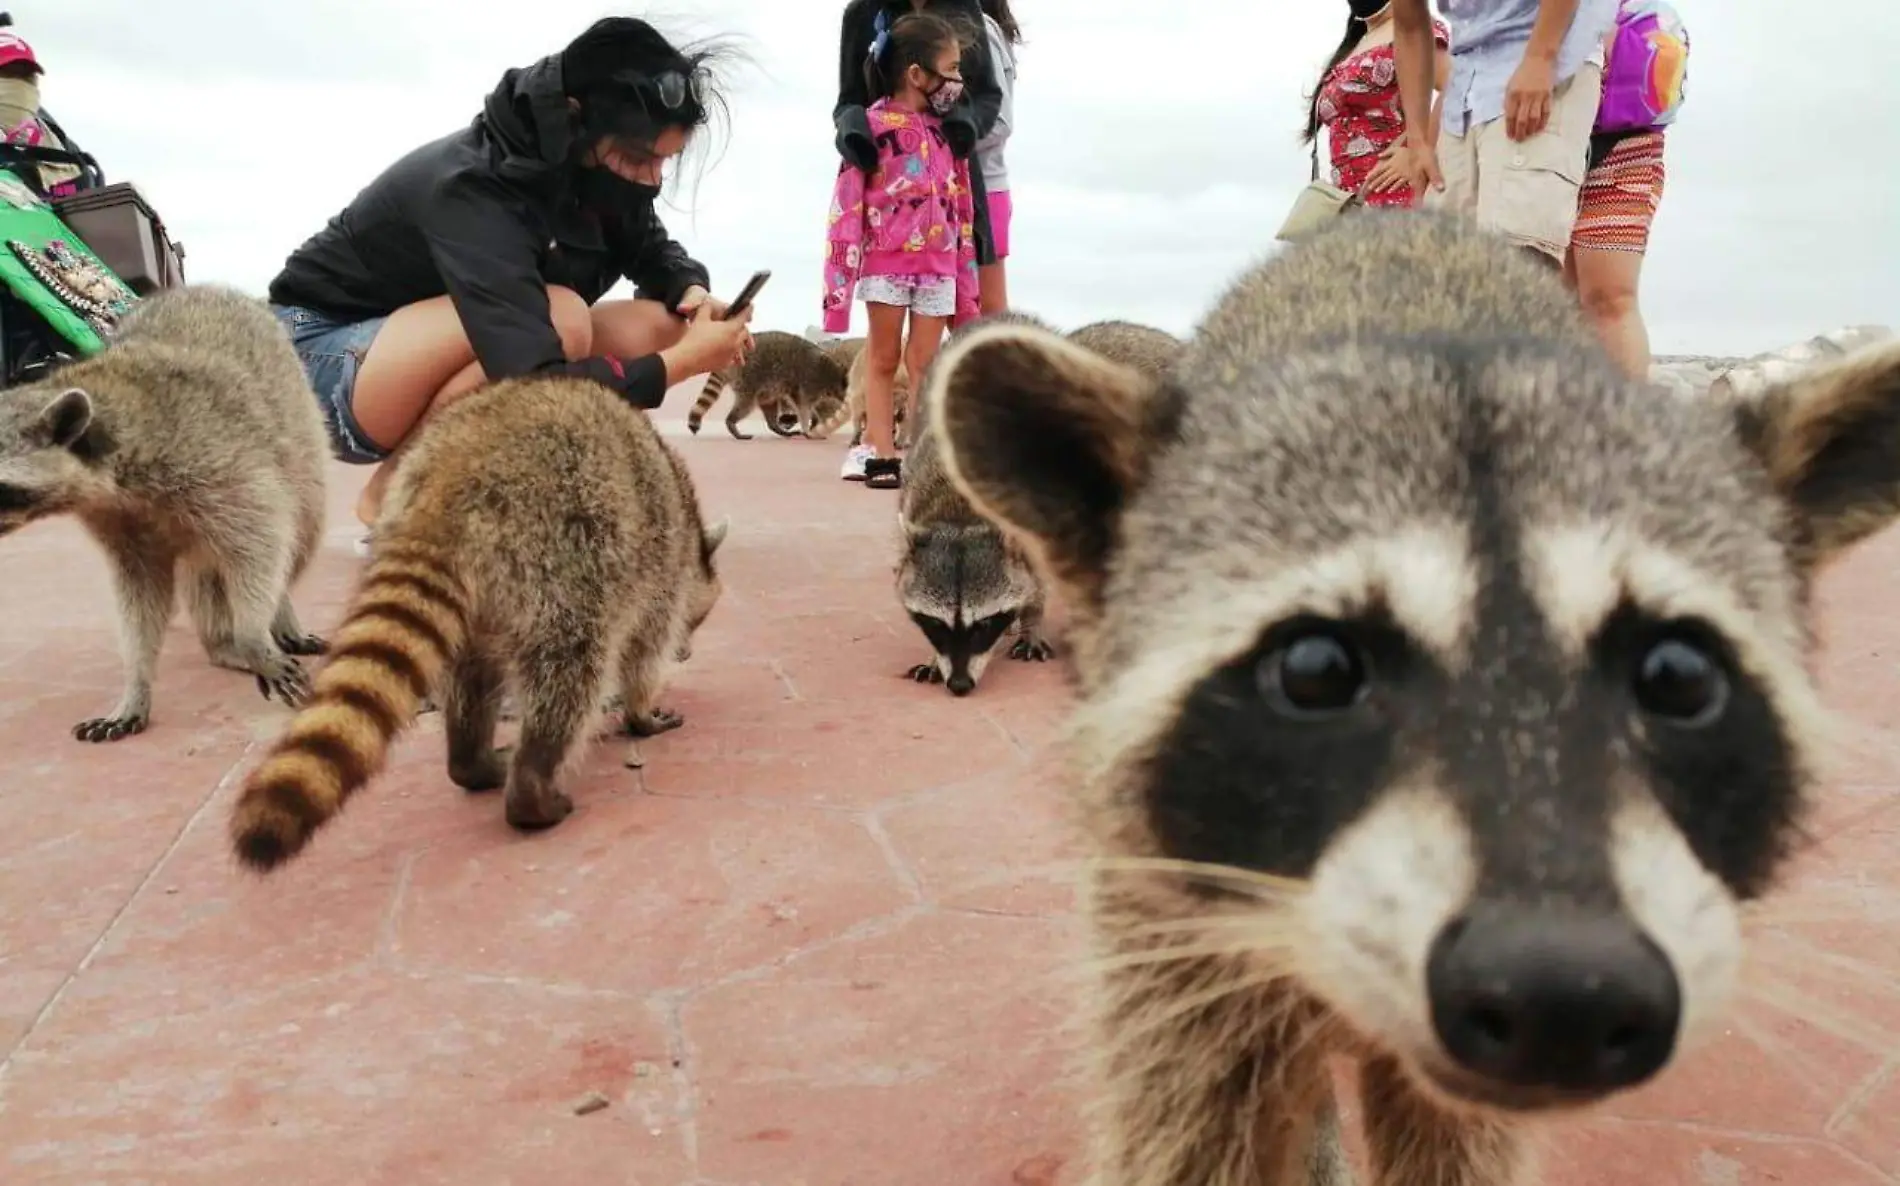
[853,470]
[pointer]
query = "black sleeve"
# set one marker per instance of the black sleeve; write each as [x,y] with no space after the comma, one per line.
[975,113]
[656,264]
[854,42]
[490,264]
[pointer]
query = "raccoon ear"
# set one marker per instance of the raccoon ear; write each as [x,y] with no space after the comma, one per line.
[1045,438]
[716,535]
[1830,441]
[68,423]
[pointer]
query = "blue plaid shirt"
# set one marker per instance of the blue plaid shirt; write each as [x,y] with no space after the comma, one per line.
[1488,38]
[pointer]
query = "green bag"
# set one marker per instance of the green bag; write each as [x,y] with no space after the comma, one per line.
[54,273]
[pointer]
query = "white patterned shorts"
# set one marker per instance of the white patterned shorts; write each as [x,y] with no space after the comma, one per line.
[926,296]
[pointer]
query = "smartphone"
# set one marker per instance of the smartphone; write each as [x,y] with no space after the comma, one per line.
[751,290]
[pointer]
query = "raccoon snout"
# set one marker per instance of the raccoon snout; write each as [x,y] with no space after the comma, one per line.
[1581,1005]
[960,684]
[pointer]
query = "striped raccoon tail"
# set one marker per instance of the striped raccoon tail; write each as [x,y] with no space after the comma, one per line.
[708,396]
[409,615]
[851,407]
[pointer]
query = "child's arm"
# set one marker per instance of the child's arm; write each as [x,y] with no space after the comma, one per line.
[844,253]
[969,301]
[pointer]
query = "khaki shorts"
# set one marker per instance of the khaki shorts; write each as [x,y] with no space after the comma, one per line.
[1525,190]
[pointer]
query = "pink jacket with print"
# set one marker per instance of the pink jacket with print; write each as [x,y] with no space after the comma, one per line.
[911,216]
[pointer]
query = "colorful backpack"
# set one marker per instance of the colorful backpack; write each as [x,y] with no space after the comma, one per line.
[1648,62]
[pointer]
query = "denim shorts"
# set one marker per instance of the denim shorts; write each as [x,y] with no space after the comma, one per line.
[331,352]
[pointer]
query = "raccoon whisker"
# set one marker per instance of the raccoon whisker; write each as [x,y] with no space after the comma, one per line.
[1814,959]
[1226,875]
[1145,1022]
[1806,1007]
[1250,945]
[1226,920]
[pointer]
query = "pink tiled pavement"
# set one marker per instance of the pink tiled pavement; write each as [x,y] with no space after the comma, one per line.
[821,938]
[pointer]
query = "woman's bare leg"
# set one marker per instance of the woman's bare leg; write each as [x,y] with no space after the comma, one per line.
[882,350]
[1606,284]
[629,329]
[993,287]
[420,362]
[926,333]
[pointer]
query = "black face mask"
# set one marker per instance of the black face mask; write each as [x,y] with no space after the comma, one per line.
[1366,9]
[607,192]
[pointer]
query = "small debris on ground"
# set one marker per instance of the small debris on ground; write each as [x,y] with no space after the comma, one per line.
[590,1103]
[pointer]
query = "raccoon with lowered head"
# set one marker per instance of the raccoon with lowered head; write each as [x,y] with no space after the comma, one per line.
[1443,695]
[849,353]
[539,533]
[793,383]
[190,447]
[1143,347]
[963,582]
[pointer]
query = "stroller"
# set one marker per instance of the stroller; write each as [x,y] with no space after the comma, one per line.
[71,262]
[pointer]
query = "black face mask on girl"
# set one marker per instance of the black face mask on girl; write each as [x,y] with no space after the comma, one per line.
[604,190]
[1365,10]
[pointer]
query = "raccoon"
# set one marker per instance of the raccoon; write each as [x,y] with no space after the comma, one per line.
[1145,348]
[850,353]
[962,581]
[538,533]
[1443,694]
[189,447]
[792,382]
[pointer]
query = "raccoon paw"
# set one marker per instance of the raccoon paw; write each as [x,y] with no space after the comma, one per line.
[111,728]
[488,772]
[285,680]
[652,722]
[1032,648]
[301,644]
[925,673]
[533,812]
[736,434]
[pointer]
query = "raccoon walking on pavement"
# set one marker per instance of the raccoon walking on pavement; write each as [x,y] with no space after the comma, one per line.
[1443,695]
[792,382]
[849,352]
[1143,347]
[540,534]
[191,449]
[964,583]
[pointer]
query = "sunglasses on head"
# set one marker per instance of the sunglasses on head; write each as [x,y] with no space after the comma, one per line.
[672,88]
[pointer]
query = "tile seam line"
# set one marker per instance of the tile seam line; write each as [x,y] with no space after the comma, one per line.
[138,891]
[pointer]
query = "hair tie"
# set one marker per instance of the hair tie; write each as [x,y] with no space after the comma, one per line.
[883,37]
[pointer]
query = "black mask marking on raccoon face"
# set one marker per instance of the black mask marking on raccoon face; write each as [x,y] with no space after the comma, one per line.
[1274,753]
[959,642]
[14,499]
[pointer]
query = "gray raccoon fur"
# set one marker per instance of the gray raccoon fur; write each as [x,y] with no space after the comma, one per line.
[964,583]
[793,383]
[1143,347]
[190,447]
[849,352]
[539,533]
[1443,696]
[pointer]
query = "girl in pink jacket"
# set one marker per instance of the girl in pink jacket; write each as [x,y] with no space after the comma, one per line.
[901,236]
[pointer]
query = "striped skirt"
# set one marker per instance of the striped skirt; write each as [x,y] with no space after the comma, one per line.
[1618,199]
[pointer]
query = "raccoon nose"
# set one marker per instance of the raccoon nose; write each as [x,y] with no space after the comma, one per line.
[960,684]
[1579,1003]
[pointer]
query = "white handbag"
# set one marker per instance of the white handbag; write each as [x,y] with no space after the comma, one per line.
[1318,204]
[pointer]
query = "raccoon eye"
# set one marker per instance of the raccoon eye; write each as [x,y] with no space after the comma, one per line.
[15,498]
[1317,673]
[1681,682]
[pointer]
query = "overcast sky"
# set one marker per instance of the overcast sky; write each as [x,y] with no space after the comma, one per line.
[1156,150]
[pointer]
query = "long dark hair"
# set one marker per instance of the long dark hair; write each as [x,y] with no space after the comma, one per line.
[1355,29]
[913,40]
[612,69]
[998,11]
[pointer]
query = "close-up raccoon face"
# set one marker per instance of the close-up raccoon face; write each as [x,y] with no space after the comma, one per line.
[1494,665]
[964,590]
[50,446]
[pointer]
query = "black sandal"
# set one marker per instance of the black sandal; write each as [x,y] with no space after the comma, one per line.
[883,473]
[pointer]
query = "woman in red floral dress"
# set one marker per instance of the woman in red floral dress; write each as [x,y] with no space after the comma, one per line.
[1357,102]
